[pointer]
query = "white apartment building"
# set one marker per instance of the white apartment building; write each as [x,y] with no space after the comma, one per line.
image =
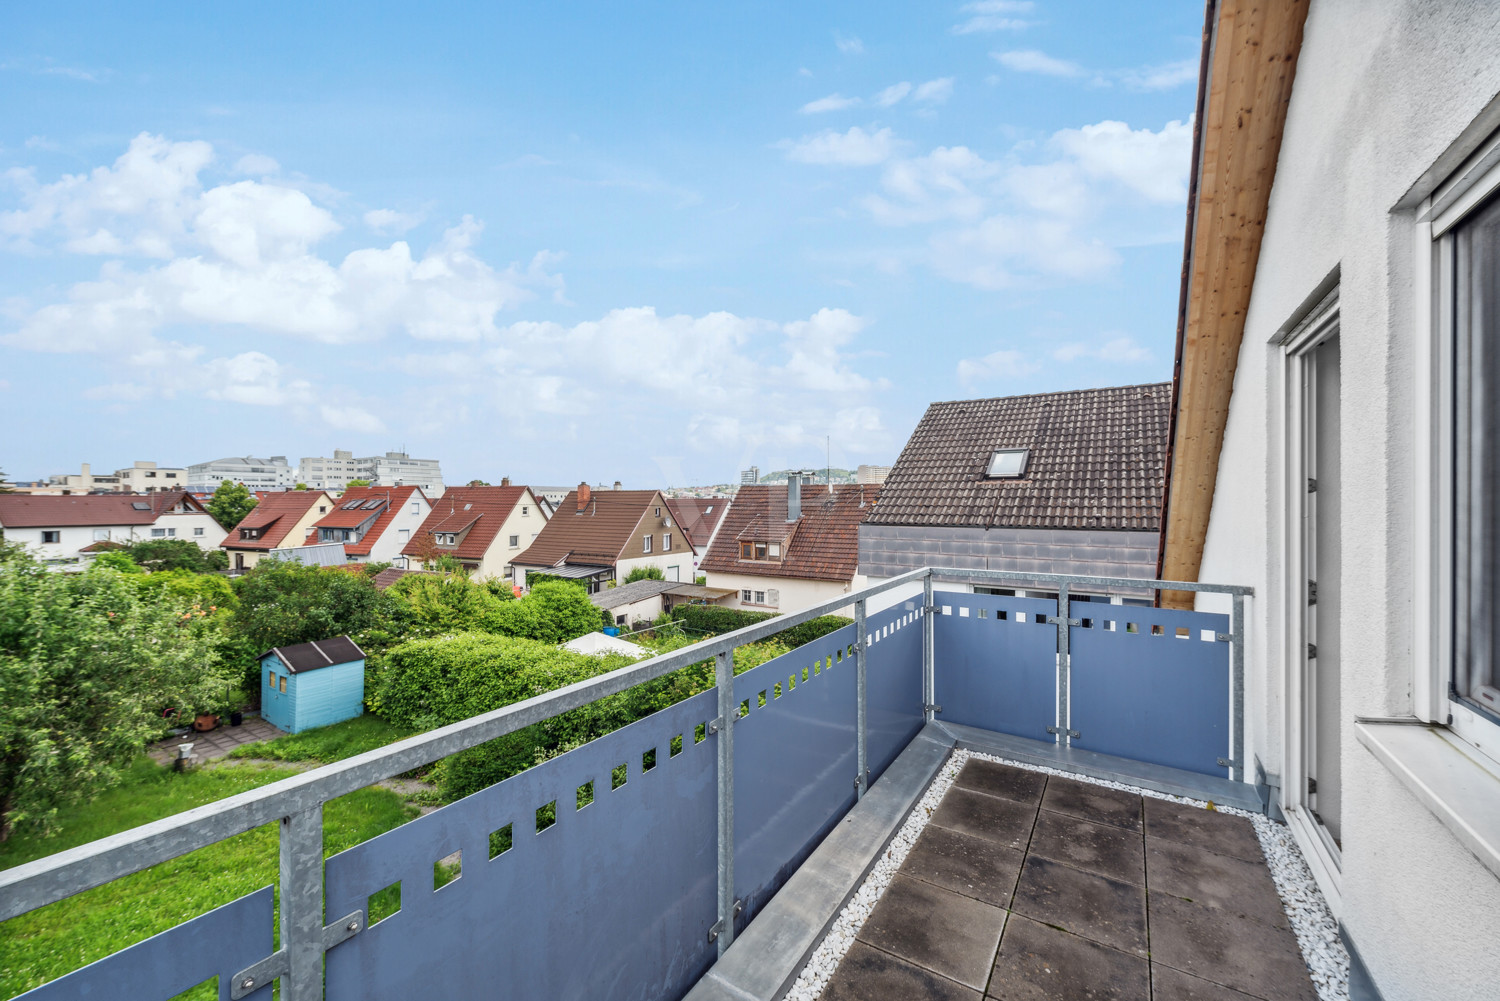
[139,478]
[397,469]
[871,474]
[257,474]
[322,473]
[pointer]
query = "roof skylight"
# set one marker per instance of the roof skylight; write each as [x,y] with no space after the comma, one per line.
[1007,463]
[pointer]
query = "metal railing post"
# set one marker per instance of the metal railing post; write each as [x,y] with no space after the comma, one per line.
[1237,690]
[1064,668]
[728,714]
[302,904]
[929,681]
[862,776]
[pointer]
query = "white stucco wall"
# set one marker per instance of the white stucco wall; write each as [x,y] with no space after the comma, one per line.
[795,594]
[1383,88]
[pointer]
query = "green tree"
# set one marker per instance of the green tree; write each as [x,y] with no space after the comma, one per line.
[281,603]
[175,554]
[644,573]
[208,593]
[230,503]
[300,486]
[356,483]
[87,666]
[117,560]
[553,612]
[446,604]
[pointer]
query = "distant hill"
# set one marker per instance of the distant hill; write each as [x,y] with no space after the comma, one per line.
[835,475]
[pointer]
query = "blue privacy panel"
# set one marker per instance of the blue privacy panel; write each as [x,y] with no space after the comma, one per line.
[219,943]
[893,683]
[611,901]
[996,662]
[794,762]
[1139,691]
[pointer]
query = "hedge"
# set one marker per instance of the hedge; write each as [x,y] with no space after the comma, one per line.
[715,619]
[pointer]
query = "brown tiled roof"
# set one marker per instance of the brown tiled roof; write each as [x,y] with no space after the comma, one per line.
[484,508]
[697,516]
[277,514]
[395,499]
[390,575]
[83,510]
[825,540]
[596,536]
[1096,461]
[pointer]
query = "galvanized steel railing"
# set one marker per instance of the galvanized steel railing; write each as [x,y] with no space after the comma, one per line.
[297,803]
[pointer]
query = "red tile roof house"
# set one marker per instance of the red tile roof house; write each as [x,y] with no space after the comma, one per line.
[63,528]
[484,528]
[699,518]
[598,536]
[1065,482]
[783,548]
[279,521]
[374,524]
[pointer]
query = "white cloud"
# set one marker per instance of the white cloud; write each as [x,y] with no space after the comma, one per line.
[256,164]
[1163,77]
[997,366]
[1117,350]
[934,91]
[391,221]
[833,102]
[991,15]
[848,46]
[254,378]
[1153,164]
[1032,61]
[351,419]
[854,148]
[892,94]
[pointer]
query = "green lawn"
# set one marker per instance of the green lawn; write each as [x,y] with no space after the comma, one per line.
[46,943]
[327,743]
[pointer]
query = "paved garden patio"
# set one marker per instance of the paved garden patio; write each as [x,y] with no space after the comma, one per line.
[217,742]
[1026,887]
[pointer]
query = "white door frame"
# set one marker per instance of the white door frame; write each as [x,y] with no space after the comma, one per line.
[1322,855]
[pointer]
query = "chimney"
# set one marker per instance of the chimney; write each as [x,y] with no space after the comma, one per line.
[617,484]
[793,497]
[85,469]
[583,496]
[505,481]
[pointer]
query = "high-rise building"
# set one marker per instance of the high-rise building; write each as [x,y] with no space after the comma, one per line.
[871,474]
[750,476]
[257,474]
[393,469]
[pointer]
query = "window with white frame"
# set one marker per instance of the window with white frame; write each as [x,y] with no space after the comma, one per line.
[515,542]
[747,596]
[760,597]
[666,541]
[1469,311]
[197,531]
[51,538]
[158,533]
[646,543]
[101,535]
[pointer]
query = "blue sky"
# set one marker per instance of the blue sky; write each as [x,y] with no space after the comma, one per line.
[644,242]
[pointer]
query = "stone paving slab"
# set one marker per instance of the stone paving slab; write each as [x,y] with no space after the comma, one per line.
[215,743]
[1029,887]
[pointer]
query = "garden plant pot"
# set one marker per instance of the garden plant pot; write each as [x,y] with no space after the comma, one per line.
[236,718]
[205,722]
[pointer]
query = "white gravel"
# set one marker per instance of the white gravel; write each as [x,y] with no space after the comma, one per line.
[1315,928]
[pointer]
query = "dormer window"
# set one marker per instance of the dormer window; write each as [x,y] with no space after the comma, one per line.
[445,538]
[1008,463]
[760,550]
[249,534]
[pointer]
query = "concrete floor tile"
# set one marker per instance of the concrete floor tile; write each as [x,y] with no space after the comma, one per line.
[1168,984]
[1234,952]
[1109,851]
[1095,803]
[867,974]
[1040,963]
[945,932]
[1002,780]
[976,867]
[1222,881]
[985,816]
[1210,829]
[1102,910]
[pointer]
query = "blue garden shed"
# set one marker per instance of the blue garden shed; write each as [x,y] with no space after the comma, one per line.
[312,684]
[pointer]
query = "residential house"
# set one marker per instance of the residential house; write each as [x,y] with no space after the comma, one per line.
[1052,483]
[257,474]
[484,528]
[699,518]
[1334,446]
[280,519]
[374,524]
[598,536]
[783,548]
[641,601]
[63,527]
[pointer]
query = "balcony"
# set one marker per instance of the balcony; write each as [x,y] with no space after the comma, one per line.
[704,851]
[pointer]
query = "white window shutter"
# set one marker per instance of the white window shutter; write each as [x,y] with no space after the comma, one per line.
[773,597]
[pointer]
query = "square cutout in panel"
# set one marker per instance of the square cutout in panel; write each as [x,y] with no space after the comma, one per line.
[500,841]
[447,869]
[676,746]
[585,795]
[546,816]
[383,903]
[617,776]
[648,760]
[760,700]
[700,732]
